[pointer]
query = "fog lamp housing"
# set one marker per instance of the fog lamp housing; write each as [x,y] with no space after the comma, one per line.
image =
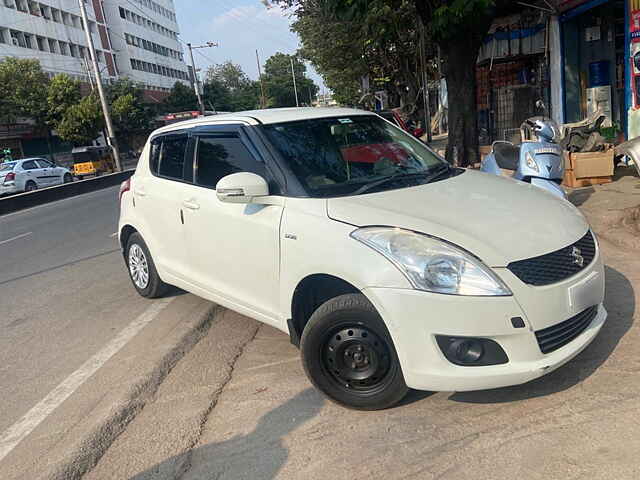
[471,351]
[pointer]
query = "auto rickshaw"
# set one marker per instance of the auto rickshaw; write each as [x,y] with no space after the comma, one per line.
[92,161]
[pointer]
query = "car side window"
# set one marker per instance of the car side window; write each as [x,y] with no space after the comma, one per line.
[219,156]
[29,165]
[44,164]
[171,157]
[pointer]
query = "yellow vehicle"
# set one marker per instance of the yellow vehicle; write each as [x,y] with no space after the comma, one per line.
[92,161]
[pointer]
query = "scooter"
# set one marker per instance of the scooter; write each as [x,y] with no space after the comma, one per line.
[538,160]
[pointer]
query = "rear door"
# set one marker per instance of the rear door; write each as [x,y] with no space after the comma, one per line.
[158,198]
[233,249]
[32,171]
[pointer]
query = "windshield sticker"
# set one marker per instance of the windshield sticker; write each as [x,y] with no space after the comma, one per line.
[345,120]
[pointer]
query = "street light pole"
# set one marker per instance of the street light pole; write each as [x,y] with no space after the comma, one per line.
[295,88]
[195,73]
[111,137]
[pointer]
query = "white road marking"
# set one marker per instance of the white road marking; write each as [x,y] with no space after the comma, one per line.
[273,364]
[23,427]
[16,238]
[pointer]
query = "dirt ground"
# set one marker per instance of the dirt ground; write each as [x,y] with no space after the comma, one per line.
[259,418]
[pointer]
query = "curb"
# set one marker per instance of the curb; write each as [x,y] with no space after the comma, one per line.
[89,450]
[51,194]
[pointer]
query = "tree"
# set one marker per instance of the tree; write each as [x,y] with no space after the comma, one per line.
[458,28]
[23,90]
[63,93]
[230,89]
[182,98]
[82,123]
[278,81]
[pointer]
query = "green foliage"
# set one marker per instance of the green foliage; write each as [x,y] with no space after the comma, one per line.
[182,98]
[63,93]
[452,17]
[83,122]
[278,81]
[23,90]
[228,88]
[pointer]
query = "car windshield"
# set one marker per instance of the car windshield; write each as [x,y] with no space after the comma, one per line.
[347,155]
[4,167]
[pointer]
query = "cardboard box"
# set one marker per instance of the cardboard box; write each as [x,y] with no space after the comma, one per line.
[584,169]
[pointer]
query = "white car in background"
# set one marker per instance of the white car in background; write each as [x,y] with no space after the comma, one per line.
[30,174]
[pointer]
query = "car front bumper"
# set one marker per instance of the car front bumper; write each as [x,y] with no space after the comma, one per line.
[415,318]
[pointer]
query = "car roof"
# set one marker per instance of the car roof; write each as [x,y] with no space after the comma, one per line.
[266,117]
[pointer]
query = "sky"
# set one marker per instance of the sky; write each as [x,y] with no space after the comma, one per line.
[239,27]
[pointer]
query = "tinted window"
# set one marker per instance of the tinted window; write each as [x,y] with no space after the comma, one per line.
[222,156]
[29,165]
[172,156]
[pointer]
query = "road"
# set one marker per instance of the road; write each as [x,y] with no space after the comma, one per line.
[63,294]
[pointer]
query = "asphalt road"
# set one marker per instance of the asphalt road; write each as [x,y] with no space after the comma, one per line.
[64,293]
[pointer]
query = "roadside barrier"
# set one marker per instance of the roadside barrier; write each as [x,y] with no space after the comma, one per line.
[21,201]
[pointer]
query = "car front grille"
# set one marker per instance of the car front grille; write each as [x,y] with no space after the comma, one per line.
[556,336]
[556,266]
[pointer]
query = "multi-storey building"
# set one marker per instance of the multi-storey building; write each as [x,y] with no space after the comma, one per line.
[133,38]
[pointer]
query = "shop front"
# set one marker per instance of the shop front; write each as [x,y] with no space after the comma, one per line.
[600,64]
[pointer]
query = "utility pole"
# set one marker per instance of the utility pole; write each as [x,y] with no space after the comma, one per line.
[111,137]
[262,98]
[295,88]
[195,73]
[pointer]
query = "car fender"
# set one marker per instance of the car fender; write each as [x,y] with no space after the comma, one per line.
[312,243]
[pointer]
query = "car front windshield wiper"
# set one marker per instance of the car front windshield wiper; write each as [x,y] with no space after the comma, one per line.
[428,178]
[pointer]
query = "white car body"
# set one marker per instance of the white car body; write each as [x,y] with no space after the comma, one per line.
[42,173]
[253,258]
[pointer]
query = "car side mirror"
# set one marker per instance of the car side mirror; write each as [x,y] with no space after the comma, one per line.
[242,187]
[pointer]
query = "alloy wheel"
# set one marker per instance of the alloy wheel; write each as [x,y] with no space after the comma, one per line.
[138,267]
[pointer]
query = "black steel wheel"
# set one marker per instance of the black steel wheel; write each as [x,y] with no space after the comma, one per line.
[30,186]
[68,178]
[348,354]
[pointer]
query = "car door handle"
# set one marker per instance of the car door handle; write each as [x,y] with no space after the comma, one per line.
[191,205]
[139,192]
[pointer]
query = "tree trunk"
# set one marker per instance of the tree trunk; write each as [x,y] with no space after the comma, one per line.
[460,55]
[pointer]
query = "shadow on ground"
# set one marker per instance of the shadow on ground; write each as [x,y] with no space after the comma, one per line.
[259,454]
[621,305]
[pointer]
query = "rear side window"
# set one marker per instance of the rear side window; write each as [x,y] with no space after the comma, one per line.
[44,164]
[219,156]
[168,156]
[29,165]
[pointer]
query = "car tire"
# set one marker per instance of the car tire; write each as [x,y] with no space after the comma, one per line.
[348,355]
[80,177]
[142,270]
[30,186]
[68,178]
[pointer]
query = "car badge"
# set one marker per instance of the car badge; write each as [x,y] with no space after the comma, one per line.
[578,259]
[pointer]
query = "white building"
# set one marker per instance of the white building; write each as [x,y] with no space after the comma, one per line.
[133,38]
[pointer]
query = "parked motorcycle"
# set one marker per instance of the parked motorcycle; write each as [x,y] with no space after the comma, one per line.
[539,160]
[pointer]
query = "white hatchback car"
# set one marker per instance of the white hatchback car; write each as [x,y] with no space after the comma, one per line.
[389,268]
[29,174]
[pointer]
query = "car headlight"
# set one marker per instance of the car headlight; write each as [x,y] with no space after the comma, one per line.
[531,163]
[431,264]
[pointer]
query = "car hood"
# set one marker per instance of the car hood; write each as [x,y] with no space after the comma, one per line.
[497,219]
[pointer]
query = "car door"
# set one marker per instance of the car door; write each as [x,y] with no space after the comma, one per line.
[234,249]
[158,197]
[32,171]
[48,173]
